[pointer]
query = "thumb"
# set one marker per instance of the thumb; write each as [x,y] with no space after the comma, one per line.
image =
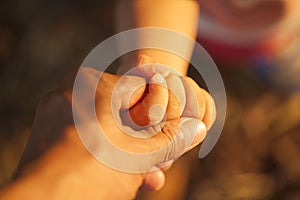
[190,133]
[151,109]
[129,90]
[132,88]
[193,132]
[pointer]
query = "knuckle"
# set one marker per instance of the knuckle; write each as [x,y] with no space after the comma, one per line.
[173,140]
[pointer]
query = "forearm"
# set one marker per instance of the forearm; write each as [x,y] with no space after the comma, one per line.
[177,15]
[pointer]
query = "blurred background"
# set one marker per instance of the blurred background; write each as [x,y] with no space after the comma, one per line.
[258,154]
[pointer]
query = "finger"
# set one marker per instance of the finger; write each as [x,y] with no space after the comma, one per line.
[129,90]
[178,135]
[152,69]
[143,59]
[137,95]
[194,131]
[151,109]
[154,180]
[177,97]
[195,106]
[199,133]
[166,165]
[210,112]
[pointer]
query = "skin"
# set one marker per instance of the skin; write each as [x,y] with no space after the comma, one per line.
[181,16]
[178,15]
[56,163]
[147,13]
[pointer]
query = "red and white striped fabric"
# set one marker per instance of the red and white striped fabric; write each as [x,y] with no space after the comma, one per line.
[242,27]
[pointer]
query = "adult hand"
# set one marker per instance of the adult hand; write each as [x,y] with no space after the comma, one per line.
[55,135]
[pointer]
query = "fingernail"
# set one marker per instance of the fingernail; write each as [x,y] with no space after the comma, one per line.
[156,114]
[192,129]
[165,164]
[158,78]
[201,128]
[143,59]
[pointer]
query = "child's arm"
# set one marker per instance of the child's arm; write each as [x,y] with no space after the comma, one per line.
[178,15]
